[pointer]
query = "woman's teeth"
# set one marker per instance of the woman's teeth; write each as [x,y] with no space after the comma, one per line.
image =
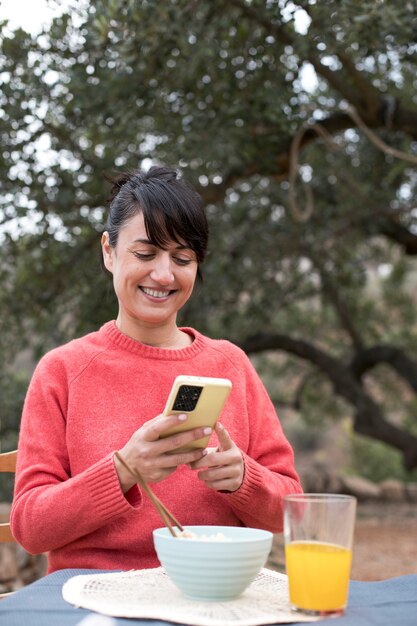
[155,293]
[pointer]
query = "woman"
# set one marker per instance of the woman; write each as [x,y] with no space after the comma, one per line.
[105,393]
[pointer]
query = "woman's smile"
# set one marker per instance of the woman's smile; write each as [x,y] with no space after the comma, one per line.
[157,293]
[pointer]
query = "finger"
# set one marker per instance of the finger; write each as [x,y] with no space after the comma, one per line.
[226,478]
[219,485]
[154,432]
[213,475]
[172,460]
[214,459]
[228,484]
[207,460]
[163,465]
[156,427]
[225,441]
[179,440]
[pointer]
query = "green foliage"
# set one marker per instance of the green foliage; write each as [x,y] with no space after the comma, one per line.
[377,461]
[12,392]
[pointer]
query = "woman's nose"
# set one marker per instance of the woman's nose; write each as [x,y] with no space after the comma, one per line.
[162,269]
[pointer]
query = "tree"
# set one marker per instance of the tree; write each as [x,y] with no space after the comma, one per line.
[309,187]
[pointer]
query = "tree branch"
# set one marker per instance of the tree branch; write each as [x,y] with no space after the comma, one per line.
[373,138]
[382,221]
[404,120]
[330,290]
[369,419]
[392,355]
[398,233]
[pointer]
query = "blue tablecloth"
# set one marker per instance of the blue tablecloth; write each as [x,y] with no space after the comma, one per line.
[391,602]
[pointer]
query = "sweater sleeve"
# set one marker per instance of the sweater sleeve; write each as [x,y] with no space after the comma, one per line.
[270,472]
[51,506]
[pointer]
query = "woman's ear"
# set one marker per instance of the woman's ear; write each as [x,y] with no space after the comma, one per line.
[107,251]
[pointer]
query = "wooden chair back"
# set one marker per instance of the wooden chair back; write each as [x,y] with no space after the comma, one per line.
[7,464]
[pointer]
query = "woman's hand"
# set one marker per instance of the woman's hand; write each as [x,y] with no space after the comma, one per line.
[153,457]
[222,468]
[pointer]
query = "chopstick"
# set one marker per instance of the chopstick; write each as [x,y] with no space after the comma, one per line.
[165,513]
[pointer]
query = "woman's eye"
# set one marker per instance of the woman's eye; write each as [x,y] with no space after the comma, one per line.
[149,256]
[182,261]
[143,256]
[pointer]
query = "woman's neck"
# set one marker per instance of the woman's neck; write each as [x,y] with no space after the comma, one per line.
[169,337]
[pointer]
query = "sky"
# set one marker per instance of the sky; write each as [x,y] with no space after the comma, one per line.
[30,15]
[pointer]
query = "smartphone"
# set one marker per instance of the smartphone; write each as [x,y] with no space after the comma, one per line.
[202,399]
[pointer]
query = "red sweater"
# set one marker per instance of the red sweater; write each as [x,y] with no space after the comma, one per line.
[85,400]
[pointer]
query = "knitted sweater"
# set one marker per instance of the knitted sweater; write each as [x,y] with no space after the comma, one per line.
[85,400]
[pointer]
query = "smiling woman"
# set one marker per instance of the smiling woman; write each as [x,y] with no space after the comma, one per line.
[95,406]
[156,239]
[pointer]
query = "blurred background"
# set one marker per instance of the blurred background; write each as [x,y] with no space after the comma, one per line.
[297,122]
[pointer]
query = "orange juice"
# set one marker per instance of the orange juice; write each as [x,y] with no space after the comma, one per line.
[318,575]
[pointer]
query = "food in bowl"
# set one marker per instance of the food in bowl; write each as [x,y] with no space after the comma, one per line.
[187,534]
[209,567]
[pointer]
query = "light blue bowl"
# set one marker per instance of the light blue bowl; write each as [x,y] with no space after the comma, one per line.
[213,570]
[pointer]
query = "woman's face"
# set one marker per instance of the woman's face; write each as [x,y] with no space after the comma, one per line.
[151,283]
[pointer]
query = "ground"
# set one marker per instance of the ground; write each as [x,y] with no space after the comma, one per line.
[385,542]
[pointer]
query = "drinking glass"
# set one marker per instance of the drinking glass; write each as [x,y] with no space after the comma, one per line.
[318,534]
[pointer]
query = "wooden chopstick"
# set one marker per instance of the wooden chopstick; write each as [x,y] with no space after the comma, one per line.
[165,513]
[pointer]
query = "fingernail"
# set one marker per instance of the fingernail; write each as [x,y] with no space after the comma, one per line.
[205,451]
[207,430]
[182,417]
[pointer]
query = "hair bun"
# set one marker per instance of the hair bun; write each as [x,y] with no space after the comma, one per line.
[119,179]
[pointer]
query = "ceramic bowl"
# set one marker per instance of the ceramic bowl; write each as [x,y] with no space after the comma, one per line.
[217,565]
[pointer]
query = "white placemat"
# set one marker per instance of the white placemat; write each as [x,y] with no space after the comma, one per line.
[149,593]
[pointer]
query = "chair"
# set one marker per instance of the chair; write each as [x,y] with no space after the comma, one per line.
[7,464]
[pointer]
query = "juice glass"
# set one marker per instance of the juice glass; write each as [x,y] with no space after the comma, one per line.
[318,533]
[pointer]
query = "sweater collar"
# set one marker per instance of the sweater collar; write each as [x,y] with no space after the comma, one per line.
[116,338]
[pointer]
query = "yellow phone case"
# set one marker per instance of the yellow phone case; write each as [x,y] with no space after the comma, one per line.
[202,399]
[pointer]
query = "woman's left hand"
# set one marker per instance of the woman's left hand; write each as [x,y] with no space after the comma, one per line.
[222,468]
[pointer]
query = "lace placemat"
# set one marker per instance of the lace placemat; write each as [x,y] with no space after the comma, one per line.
[150,594]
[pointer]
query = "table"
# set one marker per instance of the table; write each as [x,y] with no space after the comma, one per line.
[391,602]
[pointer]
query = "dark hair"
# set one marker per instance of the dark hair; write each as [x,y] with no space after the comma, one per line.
[172,209]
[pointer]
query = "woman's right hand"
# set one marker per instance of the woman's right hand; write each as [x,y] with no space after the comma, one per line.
[153,457]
